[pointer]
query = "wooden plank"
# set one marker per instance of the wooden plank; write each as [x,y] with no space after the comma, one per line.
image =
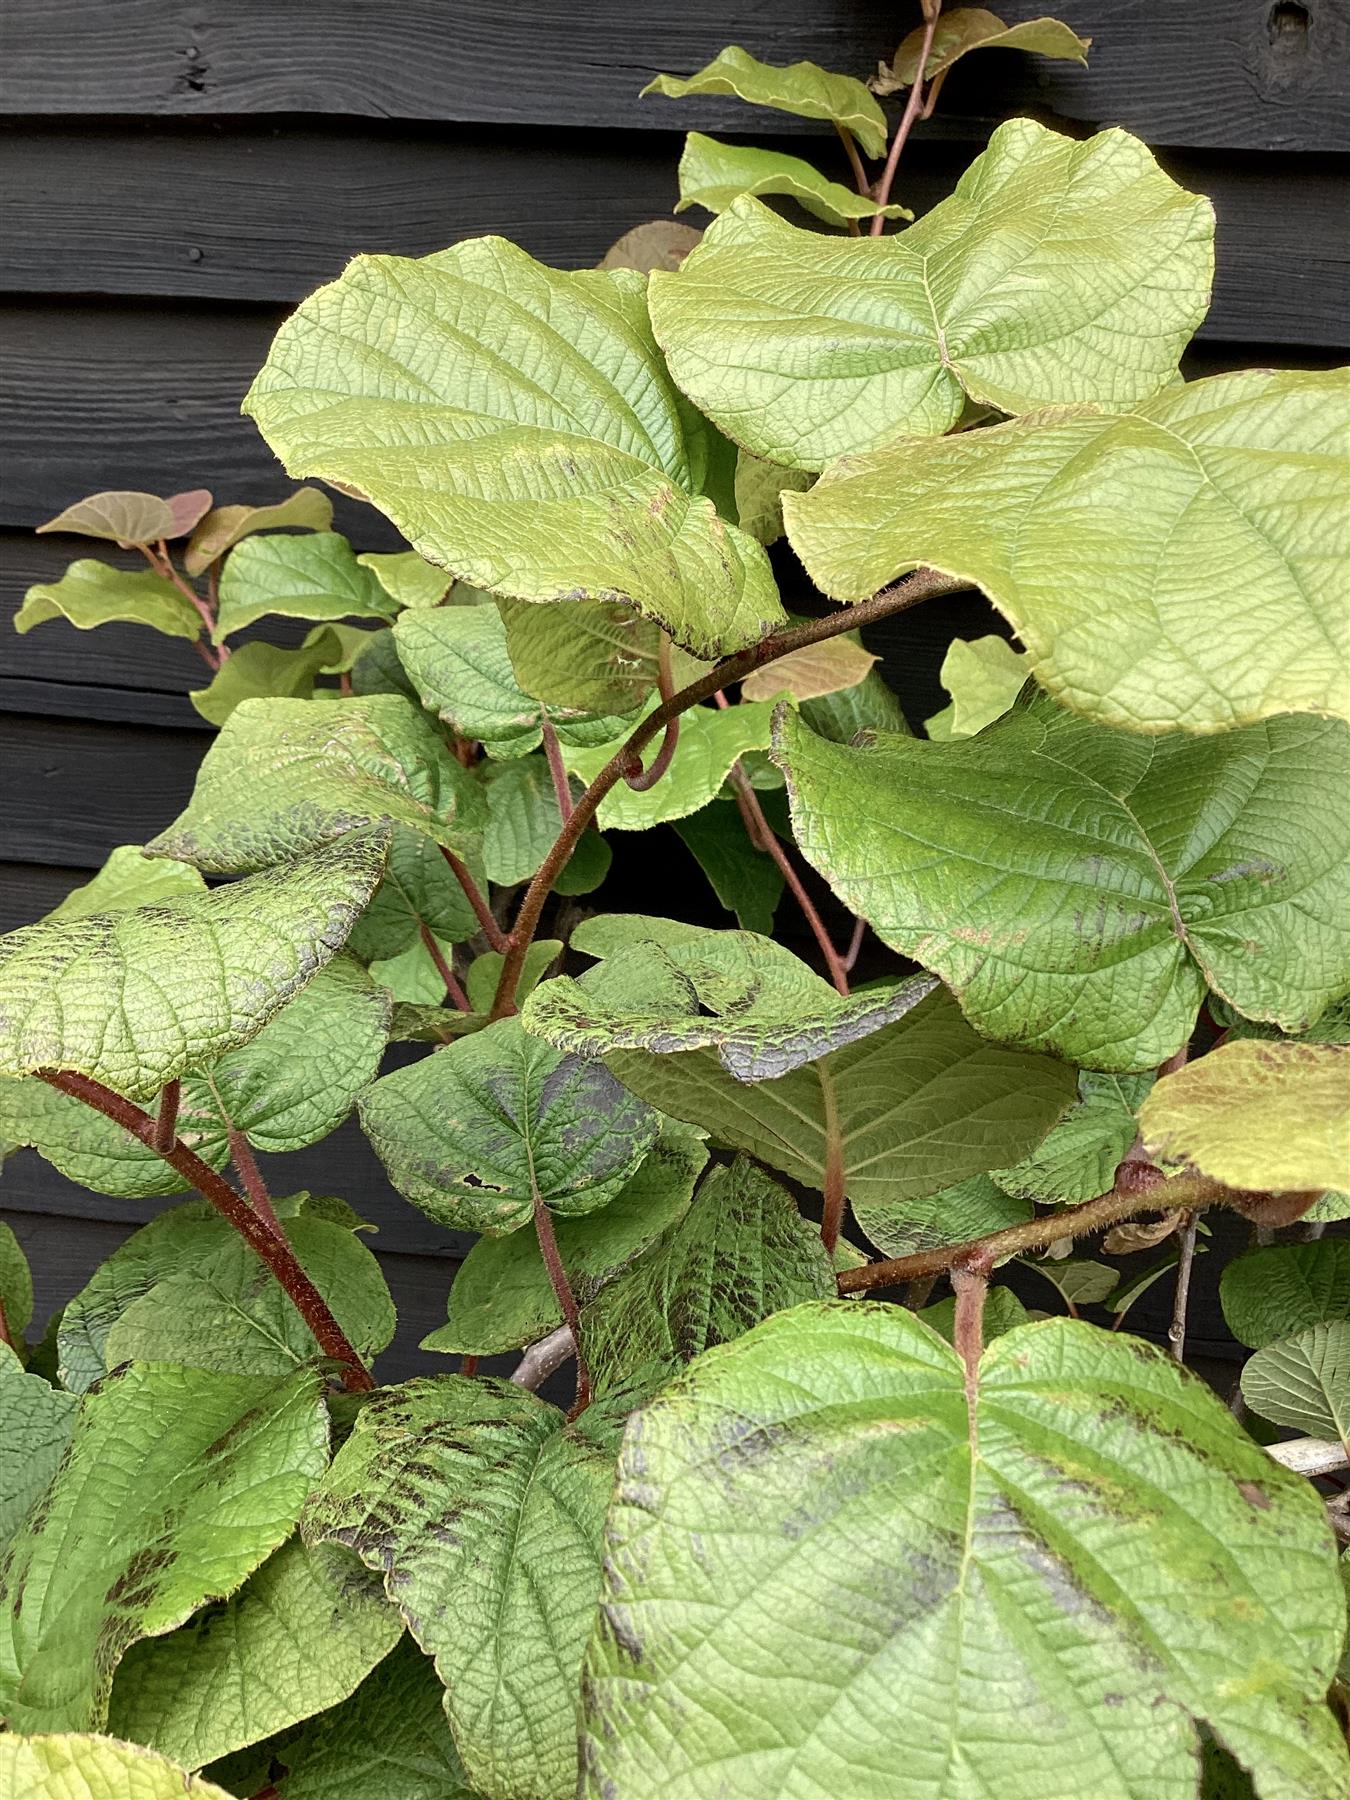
[28,890]
[1230,73]
[268,222]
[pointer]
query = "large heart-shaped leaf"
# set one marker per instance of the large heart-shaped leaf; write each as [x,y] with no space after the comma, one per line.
[176,1486]
[284,775]
[300,1635]
[137,998]
[38,1421]
[1066,1561]
[91,593]
[314,577]
[1178,566]
[518,426]
[72,1766]
[1080,888]
[484,1512]
[1057,272]
[480,1132]
[801,88]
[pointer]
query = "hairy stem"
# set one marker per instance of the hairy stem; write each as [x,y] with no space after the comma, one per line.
[166,1119]
[492,931]
[553,751]
[454,993]
[274,1249]
[924,584]
[971,1284]
[1176,1331]
[562,1288]
[246,1167]
[764,837]
[914,110]
[161,562]
[832,1213]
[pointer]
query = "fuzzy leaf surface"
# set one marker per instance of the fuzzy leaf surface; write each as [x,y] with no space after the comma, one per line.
[801,88]
[597,656]
[408,579]
[311,577]
[307,509]
[1304,1381]
[38,1422]
[1079,1158]
[1277,1291]
[72,1766]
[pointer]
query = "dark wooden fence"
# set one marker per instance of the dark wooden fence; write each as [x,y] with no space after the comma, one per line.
[177,176]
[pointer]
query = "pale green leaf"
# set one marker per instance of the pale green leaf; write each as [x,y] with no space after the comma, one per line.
[16,1278]
[313,577]
[593,656]
[456,658]
[93,1151]
[258,671]
[739,1253]
[801,88]
[176,1486]
[1078,1280]
[1057,272]
[713,174]
[711,741]
[38,1421]
[970,1209]
[480,1132]
[1080,888]
[523,819]
[746,880]
[1279,1290]
[484,1513]
[69,1766]
[1179,566]
[655,244]
[418,889]
[806,674]
[1255,1114]
[1003,1311]
[870,706]
[1056,1615]
[518,425]
[305,510]
[136,999]
[759,494]
[412,977]
[300,1635]
[485,971]
[1079,1159]
[130,518]
[408,579]
[968,28]
[983,677]
[91,593]
[1304,1381]
[285,775]
[129,879]
[502,1297]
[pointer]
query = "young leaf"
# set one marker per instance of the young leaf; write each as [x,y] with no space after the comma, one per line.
[713,174]
[128,518]
[457,660]
[418,889]
[746,1489]
[710,743]
[314,577]
[1079,1159]
[1067,522]
[519,427]
[479,1132]
[1255,1114]
[969,28]
[593,656]
[801,88]
[91,593]
[300,1635]
[285,775]
[484,1514]
[70,1766]
[983,677]
[258,671]
[826,668]
[408,579]
[502,1297]
[176,1486]
[1272,1293]
[991,297]
[1080,888]
[1079,1281]
[971,1209]
[657,244]
[748,882]
[135,999]
[740,1252]
[1304,1381]
[305,510]
[870,706]
[391,1739]
[523,819]
[38,1422]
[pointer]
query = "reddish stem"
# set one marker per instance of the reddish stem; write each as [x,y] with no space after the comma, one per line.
[562,1288]
[641,779]
[764,837]
[274,1250]
[453,991]
[553,751]
[246,1167]
[468,1365]
[913,111]
[971,1283]
[832,1213]
[160,561]
[860,180]
[492,931]
[166,1120]
[6,1336]
[855,944]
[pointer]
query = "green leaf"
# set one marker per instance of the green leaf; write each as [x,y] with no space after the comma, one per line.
[74,1767]
[747,881]
[740,1252]
[759,489]
[587,867]
[457,660]
[655,244]
[968,28]
[285,775]
[713,174]
[1080,888]
[314,577]
[259,671]
[412,978]
[1275,1292]
[16,1279]
[710,743]
[391,1739]
[502,1297]
[519,427]
[1118,1564]
[130,518]
[485,972]
[176,1486]
[1304,1381]
[484,1513]
[135,999]
[523,819]
[969,1209]
[478,1132]
[305,510]
[593,656]
[806,674]
[38,1423]
[1068,523]
[90,593]
[300,1635]
[1254,1114]
[870,706]
[1003,1312]
[418,889]
[129,879]
[801,88]
[983,677]
[93,1151]
[186,1289]
[1079,1159]
[1057,272]
[1079,1281]
[408,579]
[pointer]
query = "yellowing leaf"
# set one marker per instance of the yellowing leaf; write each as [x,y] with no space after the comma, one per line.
[306,510]
[823,668]
[658,244]
[983,677]
[801,88]
[968,28]
[70,1766]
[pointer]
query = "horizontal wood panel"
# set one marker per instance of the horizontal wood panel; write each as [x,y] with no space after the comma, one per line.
[86,210]
[1233,73]
[28,890]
